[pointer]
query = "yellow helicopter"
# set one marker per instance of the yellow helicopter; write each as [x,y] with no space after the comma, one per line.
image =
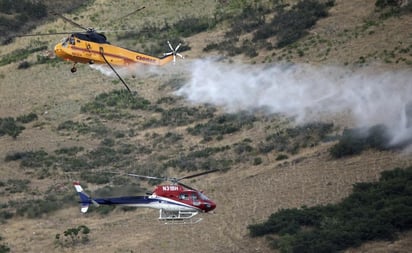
[92,47]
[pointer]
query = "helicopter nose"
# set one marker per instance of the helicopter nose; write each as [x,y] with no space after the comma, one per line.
[57,50]
[212,206]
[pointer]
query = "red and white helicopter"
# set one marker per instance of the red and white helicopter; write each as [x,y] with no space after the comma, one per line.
[176,201]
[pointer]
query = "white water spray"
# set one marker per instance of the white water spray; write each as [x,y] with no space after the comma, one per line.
[301,91]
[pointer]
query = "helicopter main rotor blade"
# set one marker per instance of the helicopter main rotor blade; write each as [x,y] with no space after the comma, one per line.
[131,13]
[142,176]
[44,34]
[70,21]
[110,65]
[186,186]
[198,174]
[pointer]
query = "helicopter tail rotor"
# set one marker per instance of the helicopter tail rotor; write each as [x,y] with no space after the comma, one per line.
[85,199]
[174,51]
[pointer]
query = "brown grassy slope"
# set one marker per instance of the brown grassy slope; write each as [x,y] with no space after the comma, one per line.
[244,195]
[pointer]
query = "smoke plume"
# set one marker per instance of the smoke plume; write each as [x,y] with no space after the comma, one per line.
[302,91]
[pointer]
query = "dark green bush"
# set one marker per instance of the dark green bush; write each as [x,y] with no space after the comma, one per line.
[4,248]
[32,159]
[201,160]
[257,160]
[24,65]
[223,124]
[354,141]
[70,151]
[293,138]
[27,118]
[386,3]
[374,211]
[17,185]
[96,128]
[281,157]
[288,25]
[180,116]
[192,25]
[96,178]
[19,55]
[10,127]
[73,236]
[114,105]
[5,215]
[36,208]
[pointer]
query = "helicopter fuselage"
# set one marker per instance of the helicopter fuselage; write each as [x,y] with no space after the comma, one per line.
[92,48]
[169,198]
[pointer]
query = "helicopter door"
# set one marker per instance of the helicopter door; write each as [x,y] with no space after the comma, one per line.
[195,199]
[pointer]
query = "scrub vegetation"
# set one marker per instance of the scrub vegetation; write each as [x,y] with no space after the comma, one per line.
[374,211]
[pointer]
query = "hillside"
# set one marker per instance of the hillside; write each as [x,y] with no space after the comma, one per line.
[264,113]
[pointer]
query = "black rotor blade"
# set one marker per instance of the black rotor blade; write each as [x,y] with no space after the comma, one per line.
[131,13]
[110,65]
[147,177]
[198,174]
[186,186]
[137,175]
[44,34]
[70,21]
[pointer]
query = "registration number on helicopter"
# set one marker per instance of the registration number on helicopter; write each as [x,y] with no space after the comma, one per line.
[170,188]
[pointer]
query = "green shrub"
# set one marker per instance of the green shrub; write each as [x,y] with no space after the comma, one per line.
[103,156]
[32,159]
[96,178]
[73,236]
[201,160]
[257,161]
[114,105]
[70,125]
[281,157]
[189,26]
[293,138]
[24,65]
[10,127]
[17,185]
[19,55]
[70,151]
[374,211]
[5,215]
[180,116]
[288,25]
[386,3]
[4,248]
[223,124]
[354,141]
[96,128]
[27,118]
[36,208]
[242,147]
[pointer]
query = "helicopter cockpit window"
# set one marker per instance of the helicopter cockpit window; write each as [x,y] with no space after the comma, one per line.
[194,196]
[71,40]
[203,197]
[65,42]
[184,196]
[92,37]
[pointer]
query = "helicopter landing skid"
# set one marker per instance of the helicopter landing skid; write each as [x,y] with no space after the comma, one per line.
[178,217]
